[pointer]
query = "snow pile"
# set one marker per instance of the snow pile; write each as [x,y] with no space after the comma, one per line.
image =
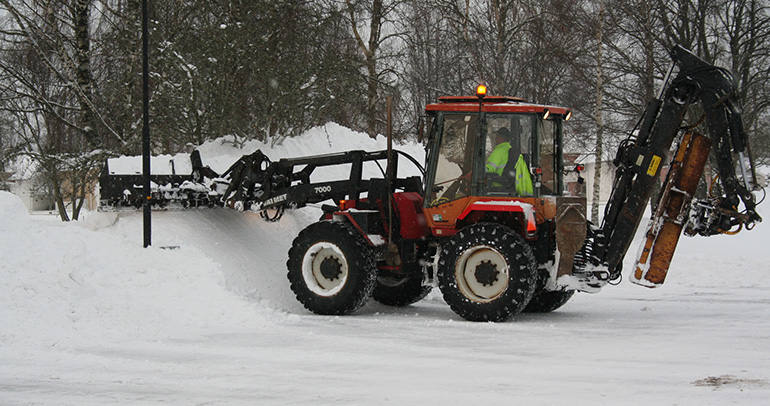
[330,138]
[63,283]
[221,153]
[179,164]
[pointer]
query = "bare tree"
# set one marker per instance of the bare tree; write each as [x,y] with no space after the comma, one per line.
[377,16]
[437,61]
[48,88]
[745,27]
[599,152]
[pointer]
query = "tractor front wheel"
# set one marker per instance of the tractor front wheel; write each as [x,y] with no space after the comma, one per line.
[331,268]
[487,272]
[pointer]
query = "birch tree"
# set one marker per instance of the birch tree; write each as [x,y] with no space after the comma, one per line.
[372,27]
[49,90]
[599,152]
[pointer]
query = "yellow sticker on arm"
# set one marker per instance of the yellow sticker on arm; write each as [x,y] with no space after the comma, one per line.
[653,169]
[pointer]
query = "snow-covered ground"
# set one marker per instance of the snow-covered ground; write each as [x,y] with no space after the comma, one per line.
[88,317]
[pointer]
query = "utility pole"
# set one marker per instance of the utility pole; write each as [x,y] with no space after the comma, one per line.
[146,126]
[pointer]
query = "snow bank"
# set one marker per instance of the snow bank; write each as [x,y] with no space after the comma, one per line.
[319,140]
[219,154]
[63,283]
[179,164]
[330,138]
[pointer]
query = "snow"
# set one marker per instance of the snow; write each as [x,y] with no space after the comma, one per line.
[160,165]
[90,318]
[222,153]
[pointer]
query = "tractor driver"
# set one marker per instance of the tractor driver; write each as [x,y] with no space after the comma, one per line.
[498,160]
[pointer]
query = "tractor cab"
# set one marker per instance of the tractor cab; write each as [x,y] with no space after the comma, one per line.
[493,146]
[490,149]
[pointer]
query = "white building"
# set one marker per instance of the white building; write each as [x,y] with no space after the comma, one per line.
[607,176]
[23,183]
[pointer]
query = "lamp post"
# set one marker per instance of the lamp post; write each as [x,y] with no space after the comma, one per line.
[146,127]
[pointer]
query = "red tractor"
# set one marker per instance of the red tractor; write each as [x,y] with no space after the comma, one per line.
[490,221]
[490,248]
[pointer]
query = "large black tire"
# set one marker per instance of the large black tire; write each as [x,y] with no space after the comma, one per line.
[331,268]
[400,291]
[487,272]
[546,302]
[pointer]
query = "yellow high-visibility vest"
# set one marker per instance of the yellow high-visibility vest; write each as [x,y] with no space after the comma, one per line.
[497,161]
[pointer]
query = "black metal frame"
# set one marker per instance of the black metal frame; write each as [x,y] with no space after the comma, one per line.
[283,184]
[638,159]
[259,184]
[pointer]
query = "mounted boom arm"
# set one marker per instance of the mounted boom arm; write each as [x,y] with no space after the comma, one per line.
[640,159]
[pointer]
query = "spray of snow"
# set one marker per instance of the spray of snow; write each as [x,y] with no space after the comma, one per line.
[67,284]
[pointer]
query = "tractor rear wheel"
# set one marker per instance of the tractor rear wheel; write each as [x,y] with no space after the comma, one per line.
[331,268]
[400,291]
[548,301]
[487,272]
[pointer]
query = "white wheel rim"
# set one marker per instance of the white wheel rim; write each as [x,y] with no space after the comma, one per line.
[482,274]
[316,273]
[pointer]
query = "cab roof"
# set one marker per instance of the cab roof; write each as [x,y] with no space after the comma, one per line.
[492,104]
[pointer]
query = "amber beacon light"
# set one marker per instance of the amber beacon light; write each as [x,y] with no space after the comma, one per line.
[481,91]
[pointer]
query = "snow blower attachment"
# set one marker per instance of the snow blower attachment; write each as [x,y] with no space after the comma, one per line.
[253,183]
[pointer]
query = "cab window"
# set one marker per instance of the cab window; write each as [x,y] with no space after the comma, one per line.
[510,140]
[455,158]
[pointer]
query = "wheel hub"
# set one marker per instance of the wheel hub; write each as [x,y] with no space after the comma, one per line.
[486,273]
[331,268]
[325,269]
[482,274]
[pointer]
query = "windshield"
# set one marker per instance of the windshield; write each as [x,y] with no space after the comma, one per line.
[508,154]
[455,158]
[521,155]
